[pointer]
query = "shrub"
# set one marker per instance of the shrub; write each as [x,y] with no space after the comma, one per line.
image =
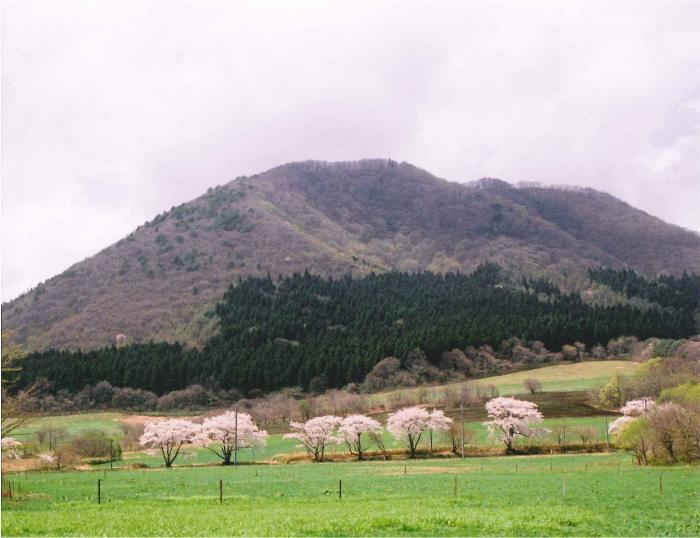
[562,433]
[134,399]
[532,385]
[586,434]
[132,434]
[192,397]
[95,444]
[688,393]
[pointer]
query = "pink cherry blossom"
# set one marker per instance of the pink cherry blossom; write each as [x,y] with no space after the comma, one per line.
[10,446]
[632,410]
[510,417]
[168,436]
[638,408]
[315,434]
[438,422]
[409,424]
[229,434]
[47,458]
[351,429]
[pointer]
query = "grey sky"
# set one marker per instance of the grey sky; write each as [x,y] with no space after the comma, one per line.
[113,111]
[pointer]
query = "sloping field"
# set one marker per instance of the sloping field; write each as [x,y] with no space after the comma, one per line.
[72,425]
[579,376]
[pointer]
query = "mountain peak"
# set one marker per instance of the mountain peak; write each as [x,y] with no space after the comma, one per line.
[333,218]
[490,183]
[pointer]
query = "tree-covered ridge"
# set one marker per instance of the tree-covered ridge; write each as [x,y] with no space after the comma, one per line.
[682,292]
[158,282]
[306,327]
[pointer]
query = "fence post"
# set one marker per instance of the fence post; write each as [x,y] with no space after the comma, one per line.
[221,491]
[235,446]
[461,421]
[455,486]
[563,484]
[661,484]
[340,490]
[111,455]
[99,492]
[404,470]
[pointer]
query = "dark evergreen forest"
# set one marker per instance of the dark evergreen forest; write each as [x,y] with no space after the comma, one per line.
[306,327]
[681,292]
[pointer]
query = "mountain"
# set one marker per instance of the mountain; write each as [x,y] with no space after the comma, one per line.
[162,280]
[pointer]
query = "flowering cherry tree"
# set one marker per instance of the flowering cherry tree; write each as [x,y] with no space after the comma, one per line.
[638,408]
[632,410]
[10,446]
[438,422]
[168,436]
[229,432]
[315,434]
[409,424]
[510,417]
[47,458]
[351,429]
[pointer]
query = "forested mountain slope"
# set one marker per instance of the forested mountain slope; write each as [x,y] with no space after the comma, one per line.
[334,331]
[161,282]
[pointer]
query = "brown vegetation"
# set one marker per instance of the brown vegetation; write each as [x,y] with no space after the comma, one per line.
[161,281]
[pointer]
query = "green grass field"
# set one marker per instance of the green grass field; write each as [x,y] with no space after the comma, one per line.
[605,495]
[74,424]
[579,376]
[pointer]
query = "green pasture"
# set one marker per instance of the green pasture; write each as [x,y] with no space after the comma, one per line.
[578,376]
[605,495]
[72,425]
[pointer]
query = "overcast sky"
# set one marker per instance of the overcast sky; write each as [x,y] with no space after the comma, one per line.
[113,111]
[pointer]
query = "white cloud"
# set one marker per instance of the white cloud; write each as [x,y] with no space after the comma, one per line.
[116,110]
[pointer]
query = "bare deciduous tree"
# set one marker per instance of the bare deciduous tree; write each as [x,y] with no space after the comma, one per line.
[532,385]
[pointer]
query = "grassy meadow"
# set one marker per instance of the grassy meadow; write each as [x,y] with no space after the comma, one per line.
[605,495]
[74,424]
[572,377]
[578,494]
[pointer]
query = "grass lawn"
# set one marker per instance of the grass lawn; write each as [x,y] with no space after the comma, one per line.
[605,495]
[579,376]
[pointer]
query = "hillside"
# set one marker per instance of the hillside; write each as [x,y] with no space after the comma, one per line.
[162,281]
[578,376]
[317,333]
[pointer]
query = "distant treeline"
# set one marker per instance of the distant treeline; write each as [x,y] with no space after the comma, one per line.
[306,329]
